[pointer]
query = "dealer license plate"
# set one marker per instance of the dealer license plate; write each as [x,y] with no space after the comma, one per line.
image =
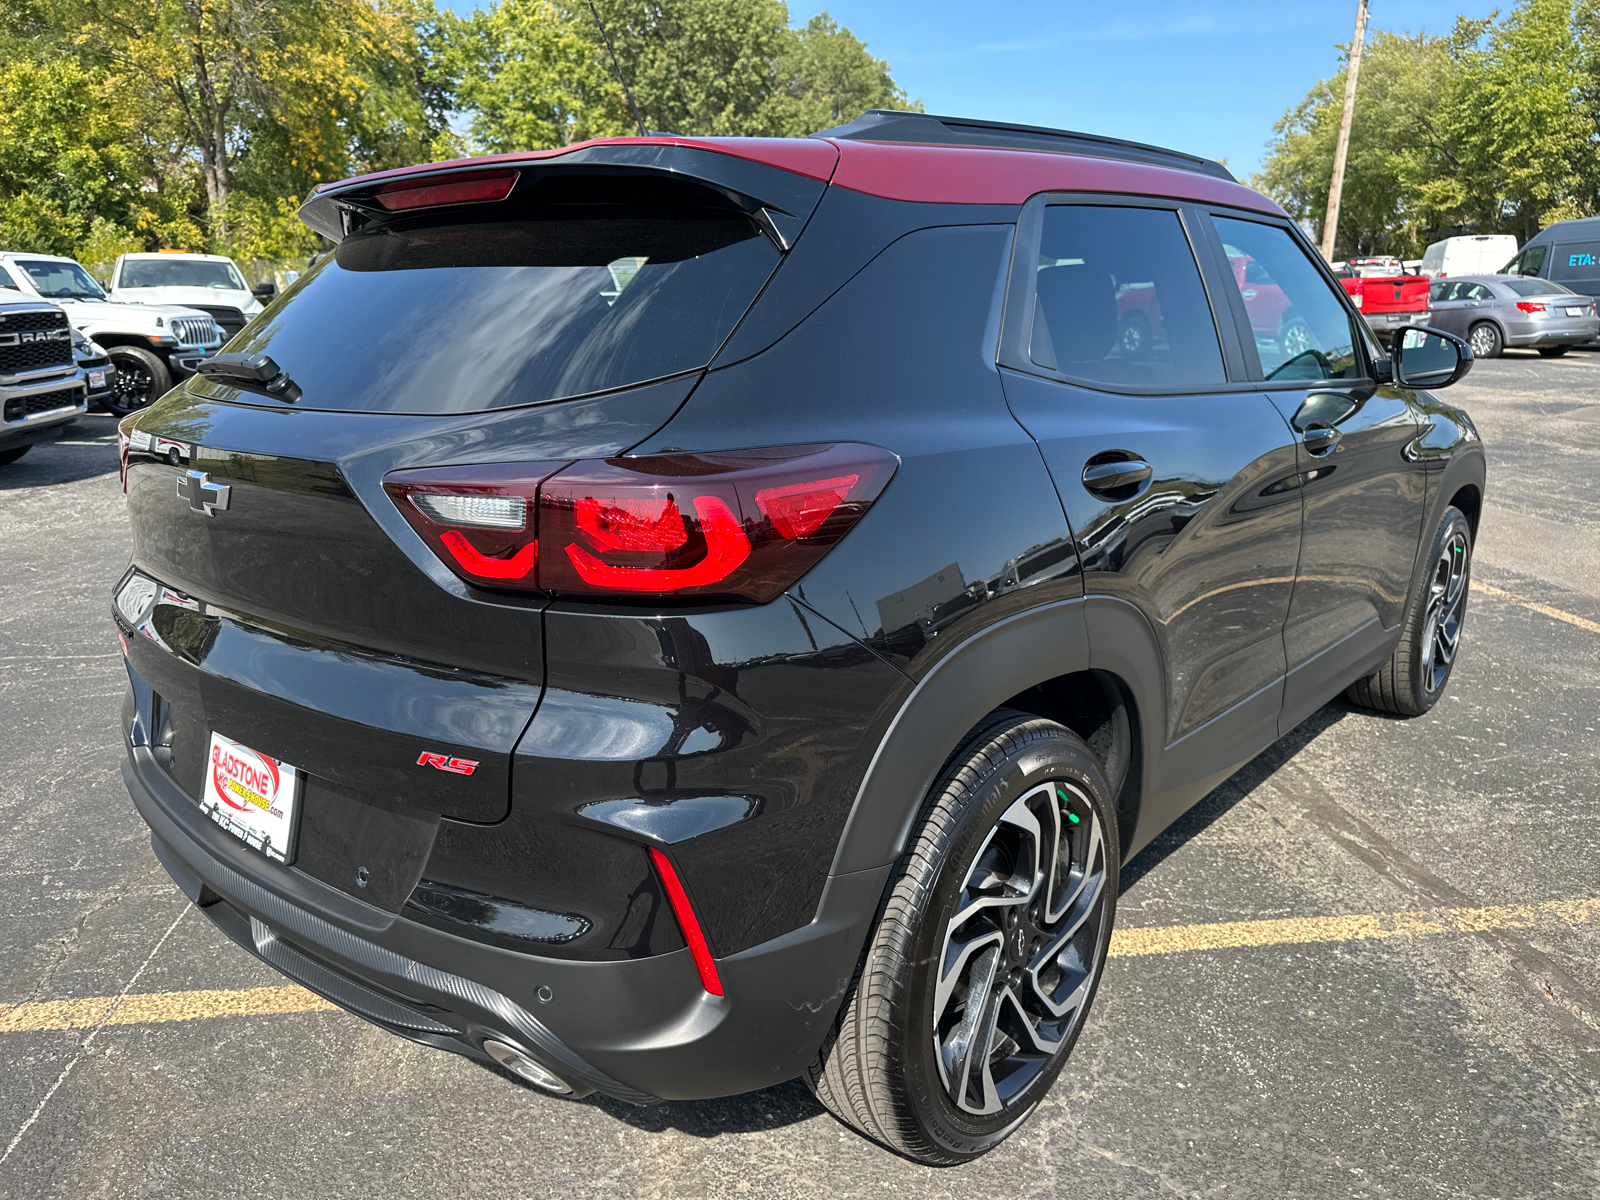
[251,795]
[97,380]
[1576,312]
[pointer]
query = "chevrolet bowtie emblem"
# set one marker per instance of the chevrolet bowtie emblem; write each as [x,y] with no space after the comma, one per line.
[203,496]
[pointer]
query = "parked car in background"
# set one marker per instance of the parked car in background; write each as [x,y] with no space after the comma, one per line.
[723,610]
[151,345]
[1388,302]
[212,283]
[98,370]
[1495,311]
[1467,254]
[1568,252]
[42,389]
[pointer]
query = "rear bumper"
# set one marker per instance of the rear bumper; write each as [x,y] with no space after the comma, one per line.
[1566,332]
[1388,322]
[638,1029]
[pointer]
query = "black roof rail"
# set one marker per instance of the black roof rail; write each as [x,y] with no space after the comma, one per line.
[887,125]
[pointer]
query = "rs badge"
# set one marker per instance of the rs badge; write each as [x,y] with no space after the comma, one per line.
[439,762]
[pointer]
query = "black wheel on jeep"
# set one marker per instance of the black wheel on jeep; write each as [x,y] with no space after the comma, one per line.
[988,949]
[11,455]
[141,379]
[1412,681]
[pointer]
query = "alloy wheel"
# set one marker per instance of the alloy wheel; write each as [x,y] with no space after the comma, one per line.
[1020,954]
[1295,339]
[131,387]
[1446,607]
[1482,339]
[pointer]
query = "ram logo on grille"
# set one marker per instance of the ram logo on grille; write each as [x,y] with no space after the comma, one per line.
[28,337]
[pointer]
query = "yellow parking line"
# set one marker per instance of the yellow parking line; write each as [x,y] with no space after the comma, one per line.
[1569,618]
[1172,939]
[152,1008]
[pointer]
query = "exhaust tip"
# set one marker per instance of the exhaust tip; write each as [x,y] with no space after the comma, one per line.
[523,1067]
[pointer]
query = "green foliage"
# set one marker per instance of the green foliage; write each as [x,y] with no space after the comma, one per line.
[536,73]
[1496,124]
[200,124]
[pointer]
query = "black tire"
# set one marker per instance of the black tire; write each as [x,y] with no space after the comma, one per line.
[142,378]
[11,455]
[1553,351]
[1485,340]
[1412,681]
[896,1066]
[1133,339]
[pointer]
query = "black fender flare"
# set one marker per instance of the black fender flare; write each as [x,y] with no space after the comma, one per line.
[984,671]
[1465,468]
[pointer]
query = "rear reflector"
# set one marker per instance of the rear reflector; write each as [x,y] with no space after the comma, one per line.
[745,524]
[688,922]
[431,191]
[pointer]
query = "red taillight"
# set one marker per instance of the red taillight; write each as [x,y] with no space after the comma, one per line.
[745,524]
[1529,306]
[430,191]
[688,922]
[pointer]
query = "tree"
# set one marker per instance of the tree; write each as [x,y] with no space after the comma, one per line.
[536,73]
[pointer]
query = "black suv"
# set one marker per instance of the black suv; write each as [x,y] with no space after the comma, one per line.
[673,615]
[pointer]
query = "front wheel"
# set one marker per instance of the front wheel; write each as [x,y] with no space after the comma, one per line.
[1485,340]
[1412,681]
[987,954]
[141,379]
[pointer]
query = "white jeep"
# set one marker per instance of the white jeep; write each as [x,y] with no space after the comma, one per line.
[212,283]
[151,345]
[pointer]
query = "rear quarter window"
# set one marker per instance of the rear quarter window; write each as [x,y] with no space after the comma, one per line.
[586,287]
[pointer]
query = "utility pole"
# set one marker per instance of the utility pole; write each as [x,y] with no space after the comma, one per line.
[1336,190]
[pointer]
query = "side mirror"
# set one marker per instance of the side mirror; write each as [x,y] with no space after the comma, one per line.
[264,291]
[1429,358]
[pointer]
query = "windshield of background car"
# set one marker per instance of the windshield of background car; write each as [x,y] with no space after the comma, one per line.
[1537,287]
[1301,329]
[599,284]
[1120,300]
[61,280]
[179,272]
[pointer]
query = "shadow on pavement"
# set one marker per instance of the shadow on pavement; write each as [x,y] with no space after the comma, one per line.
[1235,788]
[87,449]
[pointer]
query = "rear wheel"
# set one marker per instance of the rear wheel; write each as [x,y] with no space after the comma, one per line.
[1412,681]
[1553,351]
[988,951]
[1134,336]
[11,456]
[1485,340]
[141,379]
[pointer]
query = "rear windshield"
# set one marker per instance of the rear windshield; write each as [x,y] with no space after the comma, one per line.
[1540,287]
[179,272]
[564,289]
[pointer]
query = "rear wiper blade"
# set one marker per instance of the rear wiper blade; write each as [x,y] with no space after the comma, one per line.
[251,373]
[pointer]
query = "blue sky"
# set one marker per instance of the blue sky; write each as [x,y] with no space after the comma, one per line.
[1207,78]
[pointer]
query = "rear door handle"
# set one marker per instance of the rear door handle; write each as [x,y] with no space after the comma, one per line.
[1115,480]
[1320,439]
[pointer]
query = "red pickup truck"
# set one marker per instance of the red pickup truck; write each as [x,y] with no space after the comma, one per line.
[1386,298]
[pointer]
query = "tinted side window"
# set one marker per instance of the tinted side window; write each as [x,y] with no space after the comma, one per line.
[1532,260]
[1301,329]
[1576,260]
[1476,291]
[1120,300]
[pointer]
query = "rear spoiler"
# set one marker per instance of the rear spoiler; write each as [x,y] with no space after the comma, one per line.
[777,182]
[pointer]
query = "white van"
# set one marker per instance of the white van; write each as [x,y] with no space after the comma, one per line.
[1471,254]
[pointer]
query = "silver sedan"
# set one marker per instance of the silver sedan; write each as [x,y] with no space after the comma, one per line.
[1496,311]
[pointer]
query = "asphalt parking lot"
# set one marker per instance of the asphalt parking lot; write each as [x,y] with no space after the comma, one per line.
[1365,966]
